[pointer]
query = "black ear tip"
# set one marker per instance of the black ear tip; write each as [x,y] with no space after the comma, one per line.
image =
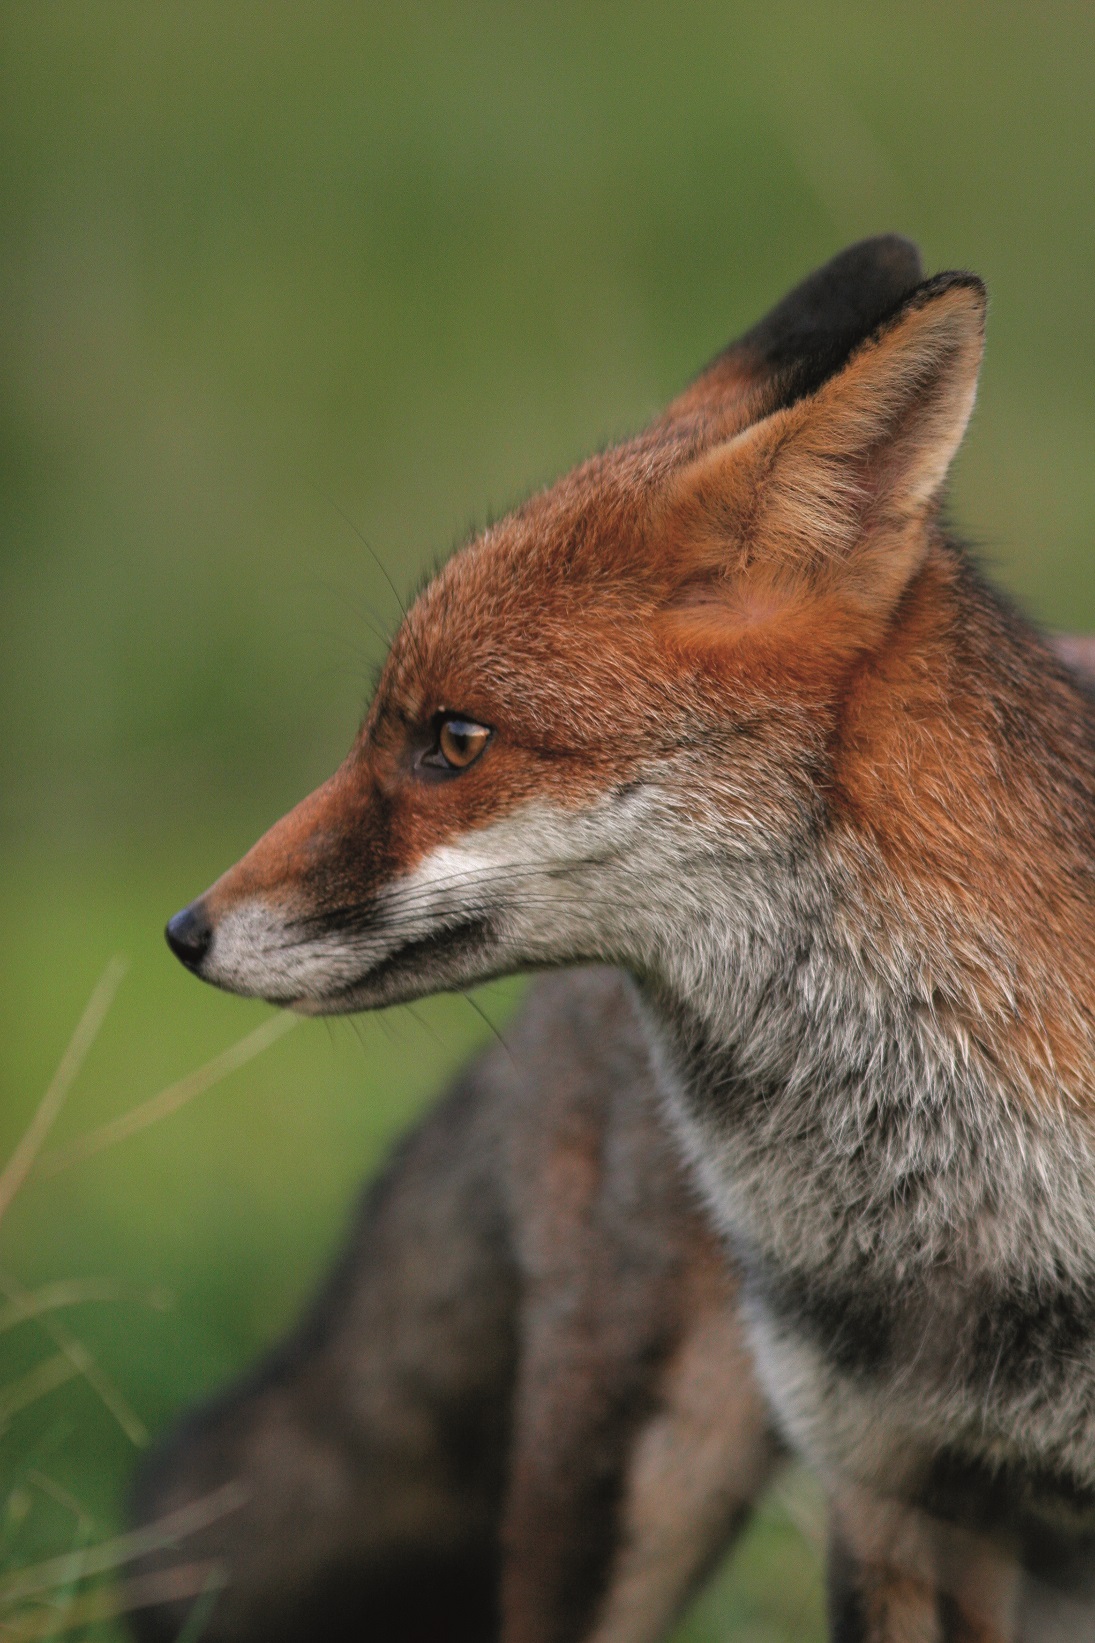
[816,326]
[890,256]
[813,330]
[189,935]
[953,279]
[863,281]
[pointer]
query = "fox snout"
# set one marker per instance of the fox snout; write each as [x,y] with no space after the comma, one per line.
[292,919]
[339,925]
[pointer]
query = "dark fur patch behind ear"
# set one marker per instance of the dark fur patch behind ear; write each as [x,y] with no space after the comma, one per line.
[812,332]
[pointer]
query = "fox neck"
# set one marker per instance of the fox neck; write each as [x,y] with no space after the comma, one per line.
[838,1128]
[914,1224]
[867,1071]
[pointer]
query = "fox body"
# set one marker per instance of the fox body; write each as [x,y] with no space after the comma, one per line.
[522,1407]
[729,708]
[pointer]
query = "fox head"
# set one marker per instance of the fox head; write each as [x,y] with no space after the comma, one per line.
[634,682]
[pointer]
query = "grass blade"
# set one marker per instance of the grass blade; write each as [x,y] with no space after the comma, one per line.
[45,1377]
[51,1297]
[202,1581]
[112,1554]
[83,1364]
[21,1162]
[168,1100]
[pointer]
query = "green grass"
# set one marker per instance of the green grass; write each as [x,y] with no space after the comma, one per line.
[261,266]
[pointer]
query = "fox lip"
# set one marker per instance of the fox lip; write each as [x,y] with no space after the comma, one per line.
[443,960]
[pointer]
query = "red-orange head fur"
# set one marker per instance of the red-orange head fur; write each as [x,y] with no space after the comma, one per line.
[752,605]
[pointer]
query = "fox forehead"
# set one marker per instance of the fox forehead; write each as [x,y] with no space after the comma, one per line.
[552,621]
[537,621]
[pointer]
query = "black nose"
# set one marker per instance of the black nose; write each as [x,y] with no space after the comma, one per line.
[189,935]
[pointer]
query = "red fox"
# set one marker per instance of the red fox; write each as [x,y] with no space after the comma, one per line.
[727,707]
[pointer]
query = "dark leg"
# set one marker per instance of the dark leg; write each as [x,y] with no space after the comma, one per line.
[899,1575]
[523,1409]
[372,1446]
[641,1439]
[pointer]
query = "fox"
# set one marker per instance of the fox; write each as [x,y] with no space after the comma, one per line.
[730,709]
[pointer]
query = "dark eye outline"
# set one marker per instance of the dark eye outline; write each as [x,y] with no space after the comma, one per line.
[434,758]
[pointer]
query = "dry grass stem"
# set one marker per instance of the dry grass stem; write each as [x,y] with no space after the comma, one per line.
[19,1165]
[83,1364]
[50,1487]
[70,1292]
[109,1555]
[44,1600]
[44,1378]
[168,1100]
[193,1580]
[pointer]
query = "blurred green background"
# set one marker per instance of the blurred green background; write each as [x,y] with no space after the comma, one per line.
[276,277]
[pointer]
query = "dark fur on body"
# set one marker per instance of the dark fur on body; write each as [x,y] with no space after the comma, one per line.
[522,1407]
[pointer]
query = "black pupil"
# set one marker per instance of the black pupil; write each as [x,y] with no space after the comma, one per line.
[461,737]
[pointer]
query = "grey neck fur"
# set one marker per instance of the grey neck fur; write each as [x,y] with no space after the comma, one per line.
[914,1230]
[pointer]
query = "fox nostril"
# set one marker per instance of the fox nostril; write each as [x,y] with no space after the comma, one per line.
[189,935]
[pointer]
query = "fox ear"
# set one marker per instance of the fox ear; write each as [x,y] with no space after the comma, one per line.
[807,336]
[835,490]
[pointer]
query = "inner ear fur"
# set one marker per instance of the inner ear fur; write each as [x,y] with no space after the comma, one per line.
[833,493]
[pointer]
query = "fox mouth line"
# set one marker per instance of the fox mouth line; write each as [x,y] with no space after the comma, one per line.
[418,961]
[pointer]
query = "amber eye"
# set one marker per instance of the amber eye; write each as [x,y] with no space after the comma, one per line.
[459,742]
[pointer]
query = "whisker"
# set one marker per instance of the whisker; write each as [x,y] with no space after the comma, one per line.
[363,613]
[424,1023]
[485,1018]
[363,539]
[378,562]
[465,878]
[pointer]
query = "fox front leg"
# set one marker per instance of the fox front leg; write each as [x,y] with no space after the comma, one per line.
[896,1575]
